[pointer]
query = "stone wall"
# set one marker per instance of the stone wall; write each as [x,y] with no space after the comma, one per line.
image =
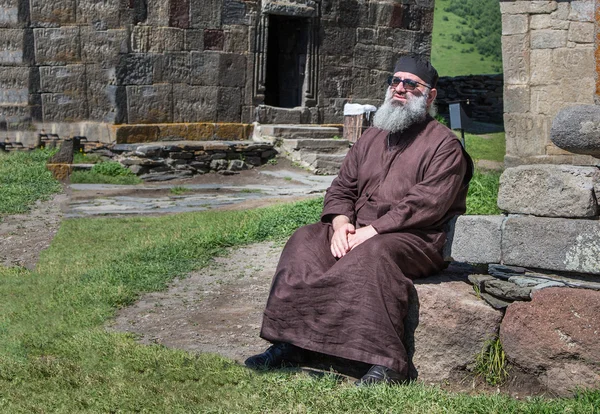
[72,68]
[482,92]
[548,56]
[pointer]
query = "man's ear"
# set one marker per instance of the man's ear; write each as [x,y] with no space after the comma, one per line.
[431,97]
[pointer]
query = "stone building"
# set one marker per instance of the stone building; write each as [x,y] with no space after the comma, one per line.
[549,56]
[84,67]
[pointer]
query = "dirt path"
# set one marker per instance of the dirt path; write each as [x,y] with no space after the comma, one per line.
[24,236]
[217,309]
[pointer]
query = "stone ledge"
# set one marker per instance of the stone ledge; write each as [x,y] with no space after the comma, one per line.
[197,131]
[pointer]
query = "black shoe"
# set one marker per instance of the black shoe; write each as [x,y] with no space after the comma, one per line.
[379,374]
[277,356]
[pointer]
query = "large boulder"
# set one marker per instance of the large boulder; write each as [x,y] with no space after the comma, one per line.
[550,190]
[575,129]
[447,325]
[557,337]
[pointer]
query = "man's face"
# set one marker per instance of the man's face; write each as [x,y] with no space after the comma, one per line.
[401,93]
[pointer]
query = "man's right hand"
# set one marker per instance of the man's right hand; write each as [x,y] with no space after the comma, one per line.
[339,241]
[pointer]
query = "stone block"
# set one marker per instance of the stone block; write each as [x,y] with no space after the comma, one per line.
[9,13]
[374,57]
[581,32]
[582,11]
[548,21]
[336,82]
[573,63]
[52,13]
[205,14]
[204,68]
[234,12]
[166,39]
[366,35]
[515,24]
[194,103]
[526,134]
[135,69]
[14,86]
[104,47]
[230,132]
[58,46]
[477,239]
[107,102]
[158,13]
[542,67]
[179,14]
[556,336]
[549,191]
[575,129]
[338,40]
[193,40]
[402,41]
[368,84]
[132,134]
[141,38]
[63,107]
[150,104]
[12,46]
[174,67]
[201,132]
[68,79]
[548,39]
[229,105]
[99,14]
[552,243]
[516,99]
[214,39]
[231,71]
[236,39]
[533,7]
[515,59]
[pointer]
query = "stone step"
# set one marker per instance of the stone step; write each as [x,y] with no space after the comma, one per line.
[299,131]
[175,146]
[320,145]
[319,163]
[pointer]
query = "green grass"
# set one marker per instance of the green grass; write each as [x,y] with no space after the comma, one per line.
[446,54]
[83,158]
[483,193]
[24,179]
[109,172]
[179,190]
[56,356]
[486,147]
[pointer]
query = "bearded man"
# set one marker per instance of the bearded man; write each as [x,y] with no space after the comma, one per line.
[341,286]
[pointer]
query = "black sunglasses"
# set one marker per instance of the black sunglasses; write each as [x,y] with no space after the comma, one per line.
[409,84]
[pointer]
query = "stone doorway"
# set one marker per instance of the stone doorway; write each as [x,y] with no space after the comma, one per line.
[287,44]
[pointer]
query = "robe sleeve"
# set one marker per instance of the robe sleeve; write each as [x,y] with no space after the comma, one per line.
[427,202]
[342,195]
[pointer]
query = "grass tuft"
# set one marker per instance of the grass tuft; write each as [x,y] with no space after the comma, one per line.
[491,363]
[24,179]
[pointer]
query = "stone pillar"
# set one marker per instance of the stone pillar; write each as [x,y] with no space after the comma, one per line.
[548,56]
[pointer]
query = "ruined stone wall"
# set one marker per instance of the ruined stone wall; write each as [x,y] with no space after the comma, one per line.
[78,67]
[548,56]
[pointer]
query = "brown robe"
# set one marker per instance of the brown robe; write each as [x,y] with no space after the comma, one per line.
[407,186]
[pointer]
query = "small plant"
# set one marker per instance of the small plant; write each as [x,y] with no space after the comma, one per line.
[477,291]
[287,178]
[111,168]
[178,190]
[490,363]
[110,172]
[272,161]
[336,137]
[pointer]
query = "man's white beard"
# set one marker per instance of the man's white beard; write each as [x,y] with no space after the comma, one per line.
[394,116]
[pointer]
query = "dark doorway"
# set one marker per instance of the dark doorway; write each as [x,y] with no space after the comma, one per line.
[286,61]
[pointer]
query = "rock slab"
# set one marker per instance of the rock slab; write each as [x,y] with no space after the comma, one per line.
[550,190]
[453,325]
[557,337]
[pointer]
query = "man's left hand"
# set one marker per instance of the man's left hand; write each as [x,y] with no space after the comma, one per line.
[361,235]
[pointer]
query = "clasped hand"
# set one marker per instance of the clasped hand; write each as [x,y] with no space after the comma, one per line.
[346,237]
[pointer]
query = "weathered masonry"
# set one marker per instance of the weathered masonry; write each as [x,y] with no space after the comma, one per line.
[550,56]
[83,67]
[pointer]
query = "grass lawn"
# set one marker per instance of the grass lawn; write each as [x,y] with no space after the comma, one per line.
[55,355]
[446,54]
[23,180]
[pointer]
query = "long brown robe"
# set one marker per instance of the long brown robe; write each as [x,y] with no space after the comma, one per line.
[407,186]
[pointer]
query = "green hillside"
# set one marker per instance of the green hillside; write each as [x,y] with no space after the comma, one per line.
[453,58]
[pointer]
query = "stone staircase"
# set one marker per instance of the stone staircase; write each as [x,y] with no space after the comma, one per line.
[318,148]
